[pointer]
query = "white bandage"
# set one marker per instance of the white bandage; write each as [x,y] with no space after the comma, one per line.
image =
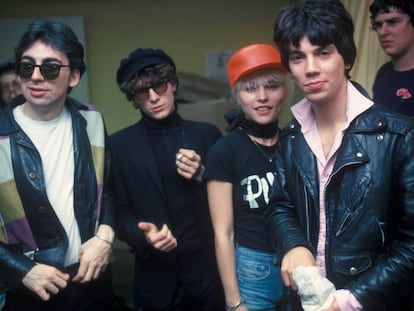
[316,292]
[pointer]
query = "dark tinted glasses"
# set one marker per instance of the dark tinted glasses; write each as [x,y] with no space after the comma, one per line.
[49,71]
[142,94]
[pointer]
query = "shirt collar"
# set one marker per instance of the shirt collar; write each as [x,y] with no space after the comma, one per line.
[356,103]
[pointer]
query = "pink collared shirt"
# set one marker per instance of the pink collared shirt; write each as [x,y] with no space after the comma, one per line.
[356,103]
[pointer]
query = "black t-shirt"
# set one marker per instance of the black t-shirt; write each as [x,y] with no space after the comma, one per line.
[237,160]
[388,83]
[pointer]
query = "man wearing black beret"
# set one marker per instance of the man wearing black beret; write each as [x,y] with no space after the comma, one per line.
[160,196]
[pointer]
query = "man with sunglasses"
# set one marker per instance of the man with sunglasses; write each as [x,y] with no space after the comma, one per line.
[393,21]
[56,213]
[160,198]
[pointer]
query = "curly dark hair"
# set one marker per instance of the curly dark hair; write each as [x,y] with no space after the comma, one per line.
[384,6]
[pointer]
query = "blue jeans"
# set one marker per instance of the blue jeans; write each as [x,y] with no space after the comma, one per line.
[259,278]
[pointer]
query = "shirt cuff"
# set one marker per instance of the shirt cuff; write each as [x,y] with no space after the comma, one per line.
[347,301]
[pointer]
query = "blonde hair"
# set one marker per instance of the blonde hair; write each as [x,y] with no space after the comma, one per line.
[270,74]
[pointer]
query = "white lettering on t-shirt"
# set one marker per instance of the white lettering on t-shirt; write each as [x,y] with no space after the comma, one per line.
[262,186]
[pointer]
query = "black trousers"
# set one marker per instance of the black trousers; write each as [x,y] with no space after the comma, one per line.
[94,295]
[200,296]
[204,294]
[198,287]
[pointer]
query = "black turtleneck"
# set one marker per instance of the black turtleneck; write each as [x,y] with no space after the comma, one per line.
[166,137]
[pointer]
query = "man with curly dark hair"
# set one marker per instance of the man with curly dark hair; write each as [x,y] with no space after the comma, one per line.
[393,21]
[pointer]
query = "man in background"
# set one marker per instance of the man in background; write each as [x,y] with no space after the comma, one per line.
[393,21]
[9,83]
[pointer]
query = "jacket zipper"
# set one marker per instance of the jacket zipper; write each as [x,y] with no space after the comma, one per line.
[339,231]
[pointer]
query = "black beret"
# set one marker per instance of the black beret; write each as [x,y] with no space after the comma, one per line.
[140,59]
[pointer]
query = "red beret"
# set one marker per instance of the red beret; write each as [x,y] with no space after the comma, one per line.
[252,58]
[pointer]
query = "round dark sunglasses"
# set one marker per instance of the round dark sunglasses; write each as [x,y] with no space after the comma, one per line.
[49,71]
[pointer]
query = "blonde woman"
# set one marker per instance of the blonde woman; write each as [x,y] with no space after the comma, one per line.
[240,172]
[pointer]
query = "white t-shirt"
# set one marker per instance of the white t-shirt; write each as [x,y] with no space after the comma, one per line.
[54,141]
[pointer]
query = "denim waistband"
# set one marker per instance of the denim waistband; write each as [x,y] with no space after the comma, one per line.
[257,253]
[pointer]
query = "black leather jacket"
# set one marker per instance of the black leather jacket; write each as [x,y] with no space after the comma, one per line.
[47,230]
[369,207]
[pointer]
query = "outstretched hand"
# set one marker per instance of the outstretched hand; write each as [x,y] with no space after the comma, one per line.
[162,240]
